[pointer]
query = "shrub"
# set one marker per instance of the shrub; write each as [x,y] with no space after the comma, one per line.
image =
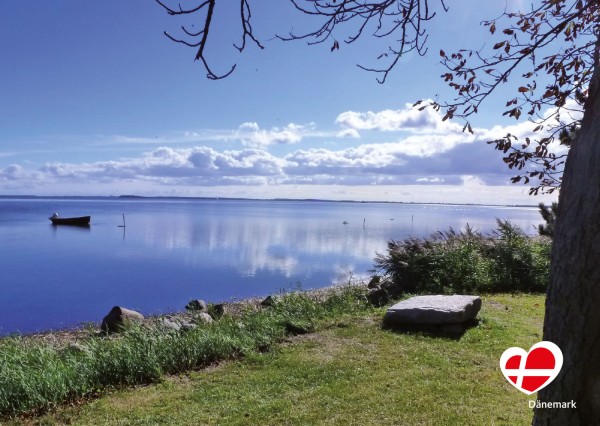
[521,263]
[468,261]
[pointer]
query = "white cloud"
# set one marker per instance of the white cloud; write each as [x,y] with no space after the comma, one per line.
[472,181]
[436,180]
[418,158]
[252,135]
[348,133]
[429,145]
[370,156]
[570,113]
[408,119]
[198,165]
[424,151]
[428,133]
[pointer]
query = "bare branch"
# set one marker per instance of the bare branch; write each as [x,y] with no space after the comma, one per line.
[200,39]
[384,18]
[182,11]
[246,15]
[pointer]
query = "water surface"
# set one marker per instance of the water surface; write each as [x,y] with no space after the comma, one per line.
[173,250]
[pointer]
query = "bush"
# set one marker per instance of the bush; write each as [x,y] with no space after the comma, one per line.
[468,261]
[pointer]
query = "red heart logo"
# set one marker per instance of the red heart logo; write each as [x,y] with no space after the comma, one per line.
[531,371]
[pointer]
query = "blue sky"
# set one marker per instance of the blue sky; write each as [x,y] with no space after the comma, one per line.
[95,100]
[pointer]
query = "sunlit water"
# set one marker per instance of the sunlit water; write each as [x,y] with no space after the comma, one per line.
[174,250]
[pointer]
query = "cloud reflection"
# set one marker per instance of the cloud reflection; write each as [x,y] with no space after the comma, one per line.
[299,240]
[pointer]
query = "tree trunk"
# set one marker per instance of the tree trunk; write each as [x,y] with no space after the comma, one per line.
[572,318]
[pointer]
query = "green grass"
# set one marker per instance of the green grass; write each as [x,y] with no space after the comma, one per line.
[349,371]
[36,376]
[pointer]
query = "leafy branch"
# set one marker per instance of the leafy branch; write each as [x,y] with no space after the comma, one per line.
[565,33]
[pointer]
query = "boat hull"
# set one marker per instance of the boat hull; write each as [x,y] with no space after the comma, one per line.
[76,221]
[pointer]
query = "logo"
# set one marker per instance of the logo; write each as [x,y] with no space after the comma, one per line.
[531,371]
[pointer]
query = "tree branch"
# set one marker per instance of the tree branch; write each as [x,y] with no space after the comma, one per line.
[200,39]
[386,17]
[566,72]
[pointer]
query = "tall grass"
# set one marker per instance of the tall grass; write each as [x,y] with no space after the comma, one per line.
[35,376]
[507,260]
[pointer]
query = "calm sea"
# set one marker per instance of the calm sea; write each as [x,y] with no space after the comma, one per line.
[174,250]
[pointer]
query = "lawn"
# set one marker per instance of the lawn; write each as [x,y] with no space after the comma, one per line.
[349,371]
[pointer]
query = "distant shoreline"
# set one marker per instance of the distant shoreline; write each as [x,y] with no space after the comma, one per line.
[312,200]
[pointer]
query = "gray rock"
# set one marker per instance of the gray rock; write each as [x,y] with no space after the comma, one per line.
[433,310]
[378,297]
[196,305]
[203,317]
[187,326]
[120,318]
[169,324]
[216,311]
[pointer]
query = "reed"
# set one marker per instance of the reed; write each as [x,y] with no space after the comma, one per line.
[506,260]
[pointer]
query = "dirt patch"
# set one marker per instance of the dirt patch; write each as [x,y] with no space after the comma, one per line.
[496,305]
[331,343]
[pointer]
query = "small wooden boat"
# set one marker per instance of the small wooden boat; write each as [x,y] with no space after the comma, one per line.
[77,221]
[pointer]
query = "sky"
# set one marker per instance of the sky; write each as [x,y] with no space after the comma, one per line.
[96,100]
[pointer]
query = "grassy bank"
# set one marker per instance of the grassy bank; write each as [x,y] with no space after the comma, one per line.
[349,371]
[35,375]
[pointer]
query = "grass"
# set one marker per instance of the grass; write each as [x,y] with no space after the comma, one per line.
[349,371]
[36,376]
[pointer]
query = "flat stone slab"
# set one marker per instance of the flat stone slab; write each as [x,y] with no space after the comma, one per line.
[433,310]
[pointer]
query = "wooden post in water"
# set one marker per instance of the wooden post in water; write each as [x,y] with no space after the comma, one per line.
[123,226]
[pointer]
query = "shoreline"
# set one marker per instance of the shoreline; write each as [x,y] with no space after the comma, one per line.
[226,199]
[62,337]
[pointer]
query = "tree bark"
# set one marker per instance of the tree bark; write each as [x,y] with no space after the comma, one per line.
[572,319]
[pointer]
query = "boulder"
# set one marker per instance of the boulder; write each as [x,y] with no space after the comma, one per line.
[187,326]
[196,305]
[433,310]
[169,324]
[378,297]
[268,301]
[217,310]
[120,318]
[203,317]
